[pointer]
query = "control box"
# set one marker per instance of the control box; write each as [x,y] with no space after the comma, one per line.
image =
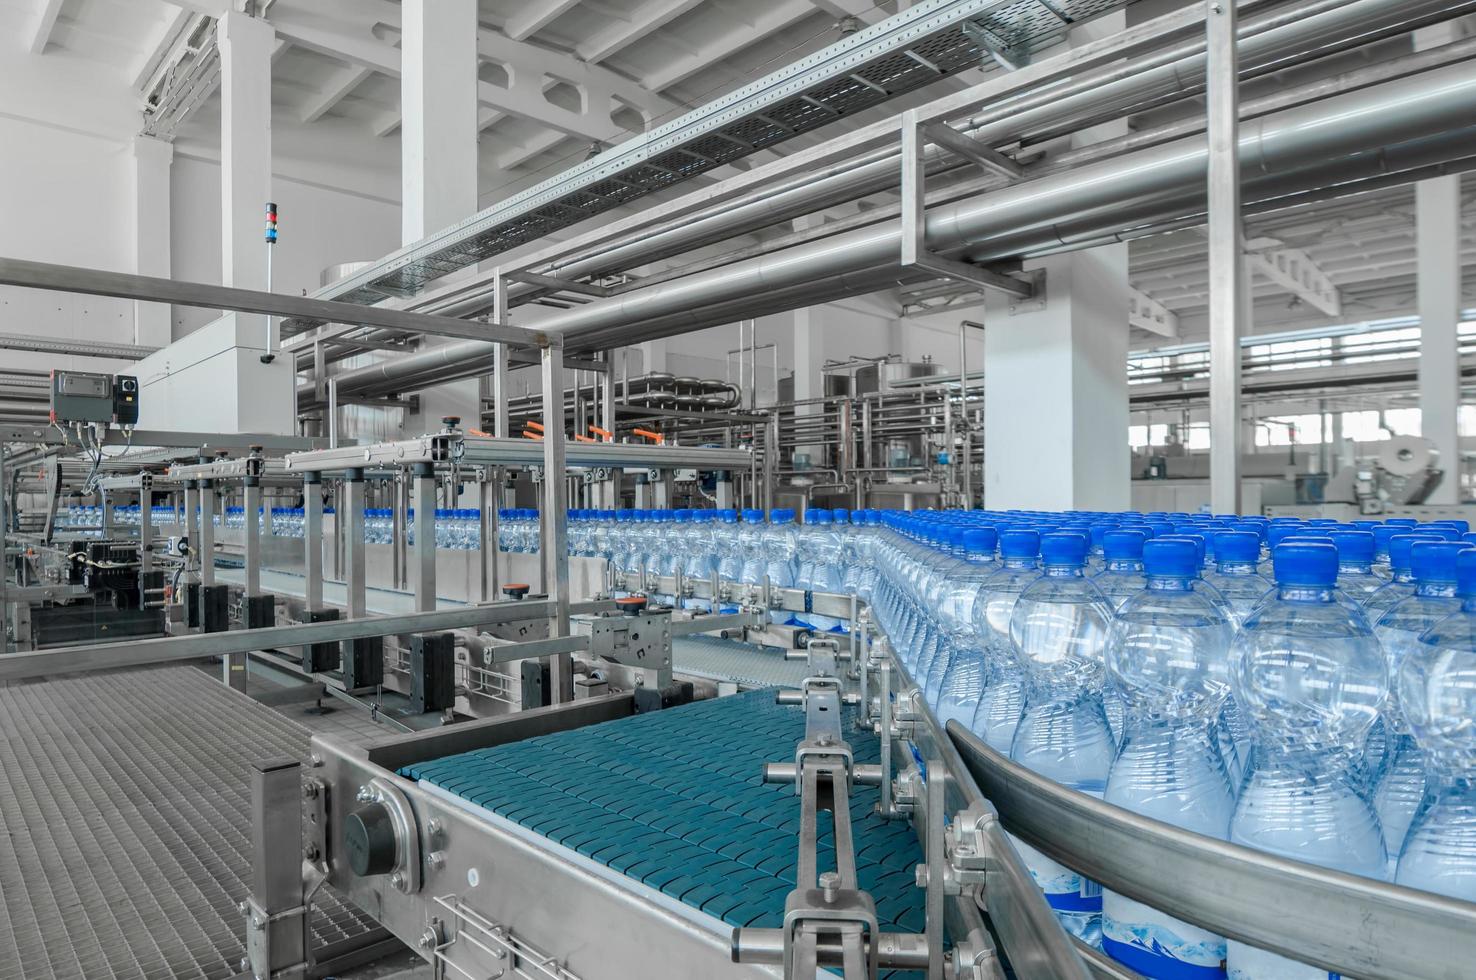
[80,396]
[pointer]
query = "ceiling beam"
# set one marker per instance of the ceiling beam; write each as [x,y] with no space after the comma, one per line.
[865,11]
[159,48]
[46,16]
[648,17]
[1147,313]
[781,17]
[534,16]
[1293,270]
[339,87]
[516,156]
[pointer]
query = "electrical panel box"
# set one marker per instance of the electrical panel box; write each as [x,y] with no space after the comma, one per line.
[80,396]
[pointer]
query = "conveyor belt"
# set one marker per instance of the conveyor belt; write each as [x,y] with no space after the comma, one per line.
[716,659]
[124,825]
[676,800]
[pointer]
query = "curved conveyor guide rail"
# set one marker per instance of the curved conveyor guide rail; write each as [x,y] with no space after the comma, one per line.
[931,40]
[1343,923]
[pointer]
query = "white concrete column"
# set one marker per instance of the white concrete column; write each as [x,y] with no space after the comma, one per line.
[151,159]
[1438,234]
[1055,390]
[1438,243]
[246,45]
[438,96]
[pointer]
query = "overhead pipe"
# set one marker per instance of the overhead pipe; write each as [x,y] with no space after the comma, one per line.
[1351,126]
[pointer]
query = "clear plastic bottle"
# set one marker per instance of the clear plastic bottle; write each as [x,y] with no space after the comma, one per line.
[1308,672]
[1168,658]
[998,715]
[1356,579]
[1121,576]
[1060,626]
[1399,782]
[779,549]
[1437,690]
[1401,576]
[962,683]
[1237,573]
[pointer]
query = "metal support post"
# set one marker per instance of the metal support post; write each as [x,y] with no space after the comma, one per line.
[312,539]
[253,535]
[206,549]
[276,912]
[399,532]
[1228,292]
[425,537]
[350,517]
[499,360]
[191,532]
[555,519]
[487,536]
[145,525]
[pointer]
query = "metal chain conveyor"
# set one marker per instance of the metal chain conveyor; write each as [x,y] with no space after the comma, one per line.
[676,800]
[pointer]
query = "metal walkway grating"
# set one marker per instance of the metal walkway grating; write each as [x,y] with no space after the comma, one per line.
[124,837]
[933,39]
[676,800]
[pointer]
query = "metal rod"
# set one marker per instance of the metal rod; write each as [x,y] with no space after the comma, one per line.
[312,540]
[555,518]
[1228,292]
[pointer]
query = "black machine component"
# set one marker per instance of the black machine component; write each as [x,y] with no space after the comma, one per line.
[83,397]
[369,840]
[536,684]
[258,611]
[671,696]
[215,609]
[91,622]
[110,566]
[319,658]
[192,605]
[432,672]
[363,662]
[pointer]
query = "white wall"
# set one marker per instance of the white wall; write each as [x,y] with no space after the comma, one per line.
[317,226]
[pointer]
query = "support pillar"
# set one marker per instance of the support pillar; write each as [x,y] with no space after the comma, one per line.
[151,159]
[438,93]
[1438,285]
[1055,390]
[246,45]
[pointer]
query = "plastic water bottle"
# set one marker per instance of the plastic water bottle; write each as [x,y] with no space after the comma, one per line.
[1399,783]
[1237,573]
[729,551]
[1121,576]
[1356,579]
[1437,691]
[779,549]
[1401,583]
[962,683]
[1060,626]
[1309,674]
[1168,659]
[998,714]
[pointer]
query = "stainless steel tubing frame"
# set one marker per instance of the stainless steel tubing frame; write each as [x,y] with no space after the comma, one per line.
[1338,922]
[1350,129]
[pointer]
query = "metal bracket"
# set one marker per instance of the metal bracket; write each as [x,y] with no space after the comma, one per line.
[915,251]
[405,876]
[1036,301]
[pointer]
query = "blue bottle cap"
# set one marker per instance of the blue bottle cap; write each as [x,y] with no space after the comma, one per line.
[1466,574]
[1354,547]
[1063,548]
[1311,563]
[1172,557]
[1399,547]
[1019,543]
[1435,561]
[1124,545]
[1237,546]
[980,541]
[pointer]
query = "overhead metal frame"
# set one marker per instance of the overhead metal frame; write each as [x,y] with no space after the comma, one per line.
[491,451]
[931,40]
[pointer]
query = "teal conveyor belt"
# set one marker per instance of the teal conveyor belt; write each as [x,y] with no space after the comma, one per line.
[676,799]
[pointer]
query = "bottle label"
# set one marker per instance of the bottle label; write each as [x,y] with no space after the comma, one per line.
[1249,963]
[1158,945]
[1065,890]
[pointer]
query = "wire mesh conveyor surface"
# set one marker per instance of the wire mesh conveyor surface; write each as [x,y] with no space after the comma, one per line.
[124,825]
[717,659]
[675,799]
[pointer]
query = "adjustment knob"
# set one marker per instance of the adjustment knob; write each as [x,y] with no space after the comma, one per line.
[631,605]
[369,840]
[515,590]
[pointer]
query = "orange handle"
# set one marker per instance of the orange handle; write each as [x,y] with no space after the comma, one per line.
[535,426]
[580,438]
[602,433]
[647,433]
[476,432]
[531,435]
